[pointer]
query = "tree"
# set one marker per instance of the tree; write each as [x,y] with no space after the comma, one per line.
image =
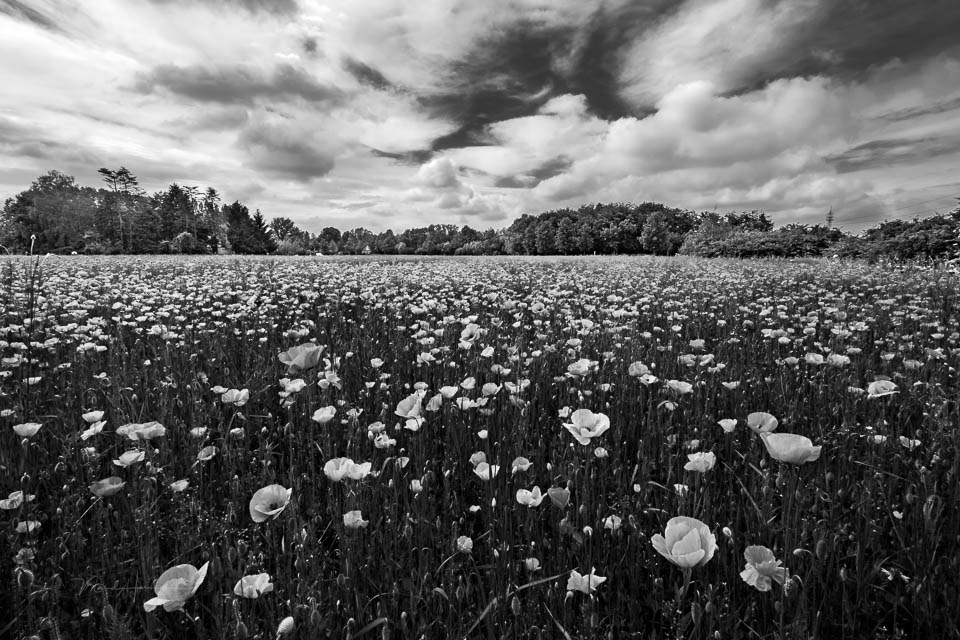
[282,228]
[239,232]
[656,234]
[565,242]
[260,232]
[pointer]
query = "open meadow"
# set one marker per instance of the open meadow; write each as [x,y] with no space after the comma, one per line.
[220,447]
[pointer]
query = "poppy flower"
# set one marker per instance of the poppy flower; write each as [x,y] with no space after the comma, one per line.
[145,431]
[762,422]
[637,369]
[728,424]
[486,471]
[175,586]
[27,429]
[92,416]
[207,453]
[269,502]
[790,447]
[410,407]
[237,397]
[354,520]
[701,462]
[559,497]
[520,464]
[15,500]
[129,458]
[107,487]
[324,415]
[530,498]
[585,583]
[880,388]
[585,424]
[302,357]
[762,568]
[253,586]
[581,367]
[688,542]
[336,469]
[464,544]
[680,386]
[92,430]
[28,526]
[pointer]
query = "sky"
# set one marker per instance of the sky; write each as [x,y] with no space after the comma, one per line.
[404,113]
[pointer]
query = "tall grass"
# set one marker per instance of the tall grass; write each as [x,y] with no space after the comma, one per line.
[868,531]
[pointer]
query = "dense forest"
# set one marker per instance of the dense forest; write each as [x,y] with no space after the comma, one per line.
[57,215]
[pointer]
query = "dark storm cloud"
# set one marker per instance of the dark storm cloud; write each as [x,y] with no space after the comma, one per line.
[237,84]
[227,119]
[531,179]
[892,151]
[925,110]
[30,141]
[285,152]
[847,38]
[366,74]
[281,7]
[512,72]
[412,158]
[21,11]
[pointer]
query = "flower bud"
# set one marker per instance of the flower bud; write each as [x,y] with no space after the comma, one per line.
[24,578]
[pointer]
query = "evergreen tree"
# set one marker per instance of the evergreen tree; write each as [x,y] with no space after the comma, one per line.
[262,239]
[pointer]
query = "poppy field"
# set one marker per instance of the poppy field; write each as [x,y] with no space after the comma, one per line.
[478,448]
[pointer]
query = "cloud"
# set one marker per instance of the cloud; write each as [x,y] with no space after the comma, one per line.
[286,149]
[695,128]
[283,7]
[729,42]
[21,11]
[439,173]
[238,84]
[893,151]
[741,45]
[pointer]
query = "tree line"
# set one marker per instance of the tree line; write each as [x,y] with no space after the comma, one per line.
[55,214]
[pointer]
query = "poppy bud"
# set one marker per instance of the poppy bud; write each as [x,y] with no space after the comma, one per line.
[821,549]
[708,608]
[696,612]
[25,478]
[242,632]
[109,616]
[24,578]
[232,555]
[515,606]
[315,619]
[843,574]
[242,547]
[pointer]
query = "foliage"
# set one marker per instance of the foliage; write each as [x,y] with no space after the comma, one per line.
[57,215]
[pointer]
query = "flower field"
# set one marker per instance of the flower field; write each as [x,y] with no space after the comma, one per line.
[477,448]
